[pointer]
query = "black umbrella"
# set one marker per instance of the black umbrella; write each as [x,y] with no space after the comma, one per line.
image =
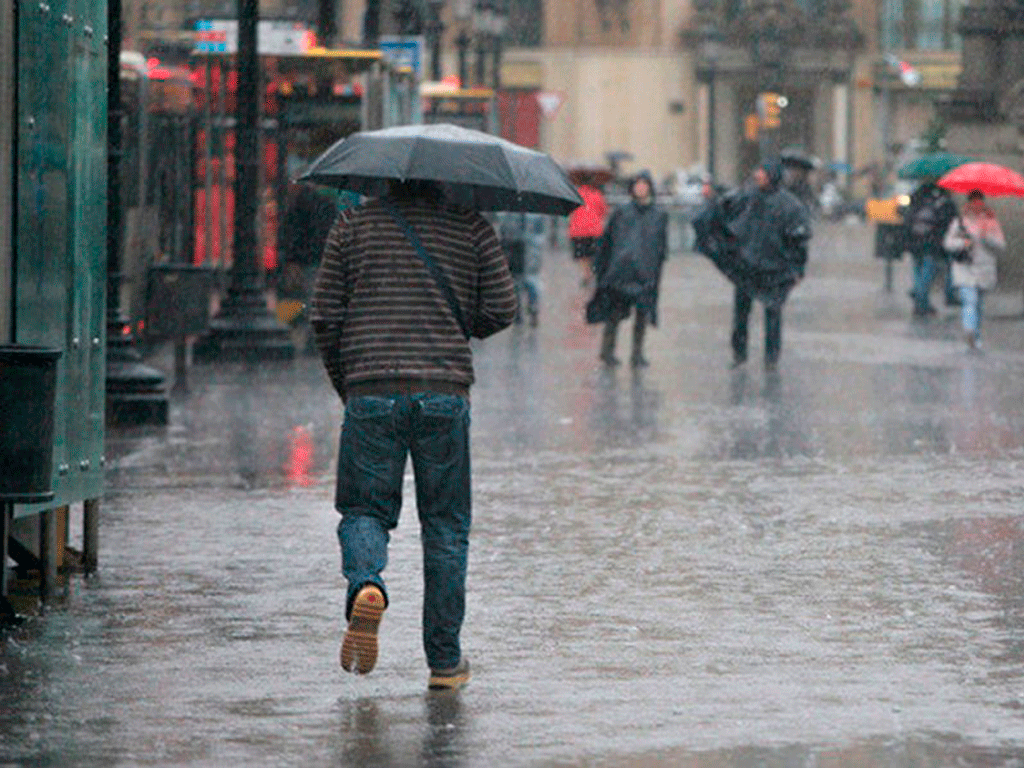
[475,169]
[799,159]
[714,239]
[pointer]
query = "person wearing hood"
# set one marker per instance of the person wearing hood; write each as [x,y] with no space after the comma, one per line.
[771,232]
[628,268]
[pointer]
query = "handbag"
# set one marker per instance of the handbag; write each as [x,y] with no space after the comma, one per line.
[961,255]
[435,270]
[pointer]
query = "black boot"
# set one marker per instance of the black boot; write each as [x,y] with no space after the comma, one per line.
[608,344]
[637,360]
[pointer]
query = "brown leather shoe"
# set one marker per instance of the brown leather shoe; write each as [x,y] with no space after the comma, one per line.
[449,679]
[359,648]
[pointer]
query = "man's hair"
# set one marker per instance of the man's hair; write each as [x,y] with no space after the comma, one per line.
[975,194]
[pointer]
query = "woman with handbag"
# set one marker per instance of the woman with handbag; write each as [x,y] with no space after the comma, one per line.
[973,240]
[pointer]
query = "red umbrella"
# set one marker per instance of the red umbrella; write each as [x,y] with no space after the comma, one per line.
[988,178]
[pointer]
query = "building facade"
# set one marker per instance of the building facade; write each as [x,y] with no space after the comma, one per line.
[985,112]
[675,83]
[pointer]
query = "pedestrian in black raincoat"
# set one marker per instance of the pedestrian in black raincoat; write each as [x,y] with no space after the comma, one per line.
[758,239]
[628,267]
[928,217]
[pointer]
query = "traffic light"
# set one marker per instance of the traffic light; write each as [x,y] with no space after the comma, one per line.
[769,109]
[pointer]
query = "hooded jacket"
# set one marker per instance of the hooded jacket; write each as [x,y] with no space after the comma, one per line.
[757,238]
[629,260]
[928,216]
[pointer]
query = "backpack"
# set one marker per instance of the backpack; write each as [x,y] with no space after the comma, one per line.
[924,220]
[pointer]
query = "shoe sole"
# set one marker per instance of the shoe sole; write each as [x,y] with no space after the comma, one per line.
[441,682]
[359,648]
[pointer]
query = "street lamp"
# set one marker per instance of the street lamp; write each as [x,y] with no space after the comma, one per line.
[709,52]
[135,392]
[462,10]
[245,329]
[482,14]
[435,30]
[499,23]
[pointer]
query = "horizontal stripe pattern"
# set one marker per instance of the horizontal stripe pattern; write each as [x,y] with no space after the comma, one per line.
[377,312]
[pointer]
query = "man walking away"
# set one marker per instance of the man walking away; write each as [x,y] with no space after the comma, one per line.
[628,270]
[394,338]
[930,211]
[771,231]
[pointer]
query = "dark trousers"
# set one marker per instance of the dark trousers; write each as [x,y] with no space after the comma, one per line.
[611,332]
[742,304]
[377,437]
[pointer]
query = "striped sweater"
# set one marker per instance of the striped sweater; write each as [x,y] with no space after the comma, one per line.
[377,312]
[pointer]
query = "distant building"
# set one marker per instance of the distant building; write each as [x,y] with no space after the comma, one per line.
[675,83]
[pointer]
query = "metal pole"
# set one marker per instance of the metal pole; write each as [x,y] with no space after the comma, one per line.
[247,170]
[5,528]
[481,61]
[463,41]
[208,165]
[245,329]
[8,138]
[222,132]
[496,74]
[135,392]
[90,535]
[711,123]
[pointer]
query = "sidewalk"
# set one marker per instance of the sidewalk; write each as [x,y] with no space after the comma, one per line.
[684,565]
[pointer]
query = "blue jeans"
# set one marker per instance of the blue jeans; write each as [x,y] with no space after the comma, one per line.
[952,291]
[972,299]
[925,268]
[530,285]
[377,435]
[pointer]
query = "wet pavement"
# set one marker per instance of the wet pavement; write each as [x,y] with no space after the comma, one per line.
[685,565]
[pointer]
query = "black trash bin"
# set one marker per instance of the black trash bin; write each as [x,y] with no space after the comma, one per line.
[28,389]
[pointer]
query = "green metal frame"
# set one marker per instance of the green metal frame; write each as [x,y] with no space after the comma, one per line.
[60,246]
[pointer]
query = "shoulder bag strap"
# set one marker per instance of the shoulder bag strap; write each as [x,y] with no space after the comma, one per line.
[435,270]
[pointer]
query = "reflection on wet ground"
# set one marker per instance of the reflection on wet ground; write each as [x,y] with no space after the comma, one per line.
[682,565]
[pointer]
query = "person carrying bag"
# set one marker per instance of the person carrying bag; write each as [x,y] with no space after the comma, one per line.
[973,240]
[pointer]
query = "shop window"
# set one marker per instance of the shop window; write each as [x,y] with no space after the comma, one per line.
[923,25]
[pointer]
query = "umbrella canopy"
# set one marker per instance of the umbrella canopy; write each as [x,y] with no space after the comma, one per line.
[932,166]
[799,158]
[586,173]
[475,169]
[988,178]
